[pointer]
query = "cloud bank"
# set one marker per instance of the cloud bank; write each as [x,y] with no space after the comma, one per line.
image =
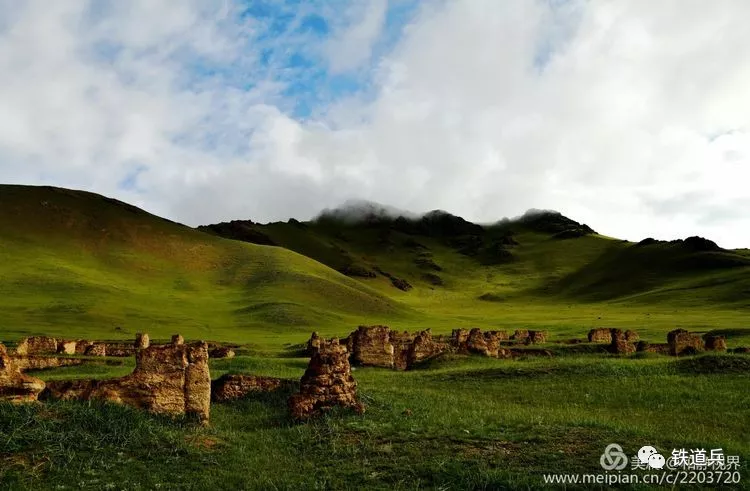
[633,117]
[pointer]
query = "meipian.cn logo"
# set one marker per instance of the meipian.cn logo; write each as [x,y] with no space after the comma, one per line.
[614,459]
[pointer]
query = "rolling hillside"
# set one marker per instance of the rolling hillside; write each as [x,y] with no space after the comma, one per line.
[79,264]
[542,254]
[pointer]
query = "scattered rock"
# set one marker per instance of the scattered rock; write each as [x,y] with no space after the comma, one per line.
[399,283]
[15,386]
[236,386]
[433,279]
[357,271]
[327,383]
[696,243]
[681,342]
[177,339]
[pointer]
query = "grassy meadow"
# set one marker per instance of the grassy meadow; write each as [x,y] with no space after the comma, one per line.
[78,265]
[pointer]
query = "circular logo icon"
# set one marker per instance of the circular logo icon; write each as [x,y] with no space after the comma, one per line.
[645,452]
[656,461]
[613,458]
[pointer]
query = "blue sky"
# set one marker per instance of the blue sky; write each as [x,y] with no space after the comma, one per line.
[294,34]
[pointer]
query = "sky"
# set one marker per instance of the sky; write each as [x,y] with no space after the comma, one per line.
[631,116]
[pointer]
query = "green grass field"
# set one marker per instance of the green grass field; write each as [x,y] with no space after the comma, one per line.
[78,265]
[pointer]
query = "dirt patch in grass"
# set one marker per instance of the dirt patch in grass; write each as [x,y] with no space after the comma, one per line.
[204,442]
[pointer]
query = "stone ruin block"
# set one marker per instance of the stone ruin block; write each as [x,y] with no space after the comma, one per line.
[372,346]
[620,345]
[313,344]
[82,345]
[536,337]
[141,341]
[520,335]
[37,345]
[482,345]
[500,335]
[681,342]
[119,349]
[714,342]
[402,343]
[96,349]
[425,347]
[236,386]
[600,335]
[177,339]
[66,347]
[15,386]
[327,383]
[170,379]
[632,336]
[460,340]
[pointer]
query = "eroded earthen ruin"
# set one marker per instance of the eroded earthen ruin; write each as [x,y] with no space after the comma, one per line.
[171,379]
[236,386]
[327,383]
[14,385]
[682,342]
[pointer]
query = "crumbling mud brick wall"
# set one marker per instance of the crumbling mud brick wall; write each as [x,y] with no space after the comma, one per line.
[327,383]
[170,379]
[682,342]
[15,386]
[236,386]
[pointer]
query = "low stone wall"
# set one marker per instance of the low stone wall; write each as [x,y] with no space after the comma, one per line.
[682,342]
[171,379]
[230,387]
[620,344]
[36,362]
[15,386]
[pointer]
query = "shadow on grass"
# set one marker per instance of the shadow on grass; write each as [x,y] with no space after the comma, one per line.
[259,409]
[731,333]
[714,364]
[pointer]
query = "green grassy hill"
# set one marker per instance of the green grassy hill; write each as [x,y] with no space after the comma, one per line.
[542,269]
[79,264]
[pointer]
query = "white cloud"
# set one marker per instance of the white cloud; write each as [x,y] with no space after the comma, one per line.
[352,43]
[631,116]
